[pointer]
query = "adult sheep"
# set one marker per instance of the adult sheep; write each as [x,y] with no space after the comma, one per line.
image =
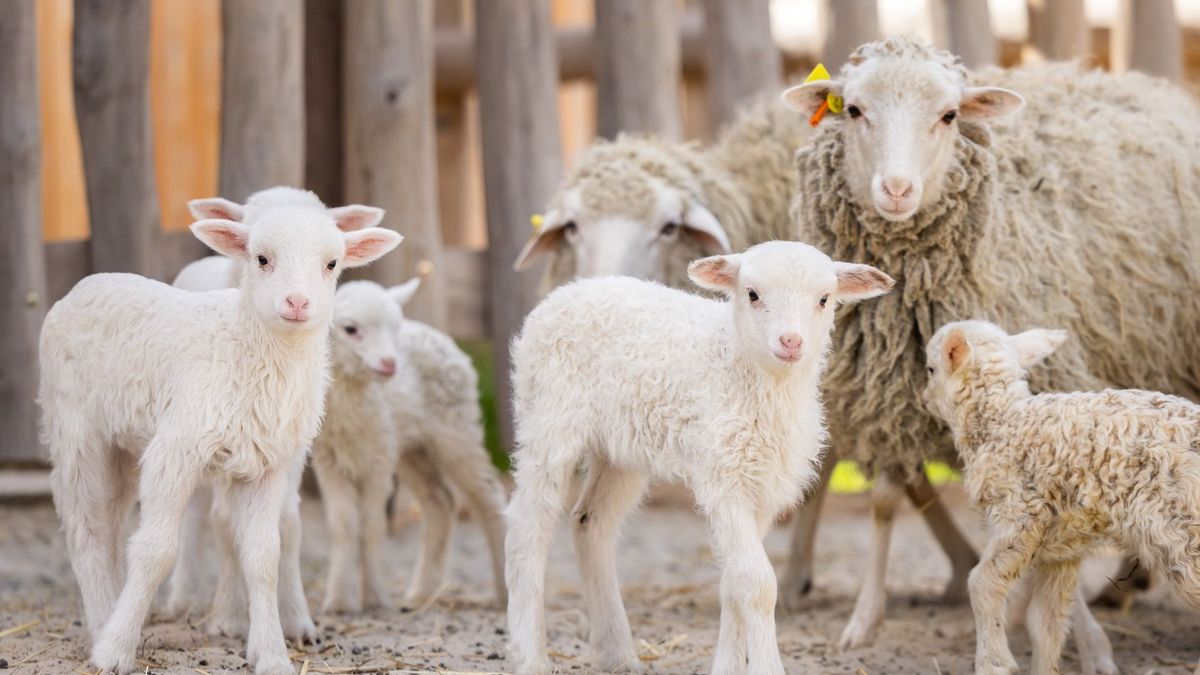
[1083,212]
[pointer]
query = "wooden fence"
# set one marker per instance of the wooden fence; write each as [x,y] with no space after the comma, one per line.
[345,97]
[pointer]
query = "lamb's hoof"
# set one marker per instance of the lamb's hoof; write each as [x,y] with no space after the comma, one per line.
[793,593]
[111,658]
[619,663]
[860,631]
[299,629]
[418,599]
[180,607]
[276,664]
[1001,664]
[531,666]
[337,605]
[228,626]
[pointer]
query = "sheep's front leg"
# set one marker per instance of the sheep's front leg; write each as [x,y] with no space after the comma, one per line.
[1095,651]
[256,507]
[1049,613]
[798,575]
[872,599]
[746,641]
[376,489]
[962,555]
[1008,552]
[293,606]
[343,587]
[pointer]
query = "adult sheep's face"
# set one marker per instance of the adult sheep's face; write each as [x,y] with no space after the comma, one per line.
[783,297]
[293,258]
[900,126]
[366,324]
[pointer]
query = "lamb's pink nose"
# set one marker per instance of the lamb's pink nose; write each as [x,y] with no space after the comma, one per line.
[297,302]
[791,342]
[897,187]
[386,367]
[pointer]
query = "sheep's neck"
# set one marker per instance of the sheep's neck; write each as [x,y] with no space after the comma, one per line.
[983,403]
[285,344]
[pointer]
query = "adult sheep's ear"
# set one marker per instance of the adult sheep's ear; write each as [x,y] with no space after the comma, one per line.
[700,223]
[546,237]
[356,217]
[716,273]
[806,98]
[224,236]
[955,349]
[989,103]
[404,292]
[215,207]
[366,246]
[859,282]
[1034,345]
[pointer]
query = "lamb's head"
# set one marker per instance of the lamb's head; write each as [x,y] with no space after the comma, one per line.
[783,296]
[347,218]
[632,207]
[962,351]
[904,101]
[366,323]
[293,258]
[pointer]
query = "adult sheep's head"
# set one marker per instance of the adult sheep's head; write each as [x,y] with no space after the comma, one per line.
[632,207]
[904,101]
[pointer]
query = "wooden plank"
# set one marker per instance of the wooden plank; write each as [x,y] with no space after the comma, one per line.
[1058,30]
[112,105]
[389,131]
[741,55]
[847,24]
[22,267]
[64,204]
[518,100]
[262,96]
[965,28]
[1146,37]
[637,71]
[323,99]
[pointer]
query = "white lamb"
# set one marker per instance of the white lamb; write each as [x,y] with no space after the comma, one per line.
[403,401]
[1058,474]
[643,382]
[148,391]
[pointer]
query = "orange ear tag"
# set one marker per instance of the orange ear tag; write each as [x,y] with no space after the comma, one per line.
[832,103]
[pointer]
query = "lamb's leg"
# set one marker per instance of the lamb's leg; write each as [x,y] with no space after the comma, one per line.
[1095,651]
[373,507]
[168,479]
[798,575]
[1053,590]
[542,482]
[256,507]
[343,585]
[746,642]
[872,598]
[293,606]
[419,474]
[187,580]
[228,615]
[467,464]
[962,555]
[607,498]
[1008,553]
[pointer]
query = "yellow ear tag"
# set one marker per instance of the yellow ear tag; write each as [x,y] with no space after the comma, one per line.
[536,221]
[832,103]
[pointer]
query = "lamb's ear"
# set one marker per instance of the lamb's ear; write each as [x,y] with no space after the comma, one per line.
[356,217]
[956,349]
[859,282]
[365,246]
[716,273]
[215,207]
[224,236]
[700,223]
[403,293]
[806,98]
[1034,345]
[989,103]
[545,239]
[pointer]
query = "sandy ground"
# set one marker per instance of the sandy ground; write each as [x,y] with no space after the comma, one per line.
[669,580]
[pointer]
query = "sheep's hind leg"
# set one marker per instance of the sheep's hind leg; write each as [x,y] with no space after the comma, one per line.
[438,514]
[872,598]
[470,468]
[1095,651]
[1009,550]
[228,614]
[343,585]
[608,496]
[962,555]
[798,575]
[1053,590]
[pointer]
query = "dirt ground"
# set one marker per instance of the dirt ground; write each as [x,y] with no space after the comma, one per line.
[669,581]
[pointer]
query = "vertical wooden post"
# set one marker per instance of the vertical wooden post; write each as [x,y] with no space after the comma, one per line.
[1058,29]
[323,99]
[847,24]
[390,149]
[110,54]
[637,67]
[1146,37]
[965,28]
[741,55]
[518,100]
[262,96]
[460,181]
[22,265]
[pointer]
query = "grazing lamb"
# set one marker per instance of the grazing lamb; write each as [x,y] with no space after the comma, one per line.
[403,401]
[1057,475]
[642,382]
[147,391]
[1084,211]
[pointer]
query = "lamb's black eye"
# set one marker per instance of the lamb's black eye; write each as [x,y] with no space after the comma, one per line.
[929,370]
[332,264]
[752,295]
[853,112]
[262,261]
[669,229]
[351,330]
[949,117]
[824,300]
[570,227]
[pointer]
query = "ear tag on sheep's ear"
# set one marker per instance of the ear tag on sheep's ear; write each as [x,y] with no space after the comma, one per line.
[535,221]
[832,103]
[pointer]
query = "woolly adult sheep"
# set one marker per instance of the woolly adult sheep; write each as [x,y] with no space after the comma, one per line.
[1082,211]
[642,382]
[403,402]
[226,384]
[1058,474]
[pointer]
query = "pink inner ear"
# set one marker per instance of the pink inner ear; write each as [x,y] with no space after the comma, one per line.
[365,247]
[859,280]
[350,219]
[717,272]
[227,239]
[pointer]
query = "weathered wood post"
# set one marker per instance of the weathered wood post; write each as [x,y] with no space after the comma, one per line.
[262,96]
[518,99]
[637,67]
[323,99]
[846,25]
[1146,37]
[1058,29]
[965,28]
[110,57]
[741,55]
[390,145]
[22,265]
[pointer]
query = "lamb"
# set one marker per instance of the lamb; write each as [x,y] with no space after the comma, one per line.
[1057,474]
[225,386]
[403,401]
[928,175]
[641,382]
